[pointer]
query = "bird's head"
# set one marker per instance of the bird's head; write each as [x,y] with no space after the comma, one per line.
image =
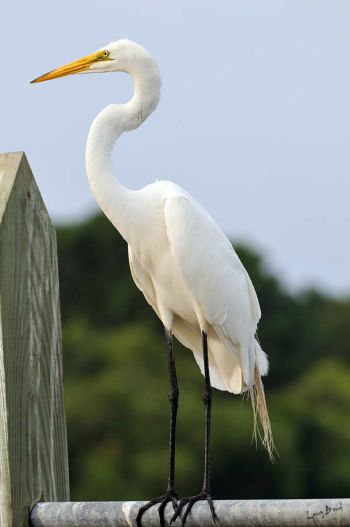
[122,55]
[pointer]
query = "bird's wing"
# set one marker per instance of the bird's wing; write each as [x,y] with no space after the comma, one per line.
[214,274]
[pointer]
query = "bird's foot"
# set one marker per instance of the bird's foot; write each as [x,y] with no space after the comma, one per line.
[169,496]
[188,503]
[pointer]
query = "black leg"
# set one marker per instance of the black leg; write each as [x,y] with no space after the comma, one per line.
[170,495]
[205,493]
[207,397]
[174,403]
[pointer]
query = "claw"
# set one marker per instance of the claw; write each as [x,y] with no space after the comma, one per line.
[161,510]
[162,500]
[174,502]
[190,501]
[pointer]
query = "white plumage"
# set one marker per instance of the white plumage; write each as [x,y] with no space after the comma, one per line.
[179,257]
[194,280]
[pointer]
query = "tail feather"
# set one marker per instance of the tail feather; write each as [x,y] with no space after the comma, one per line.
[262,425]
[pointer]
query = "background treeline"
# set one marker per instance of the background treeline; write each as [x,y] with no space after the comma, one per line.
[116,386]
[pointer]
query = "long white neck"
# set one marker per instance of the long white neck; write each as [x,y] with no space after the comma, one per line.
[120,204]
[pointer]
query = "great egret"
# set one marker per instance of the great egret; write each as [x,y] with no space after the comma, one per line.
[180,259]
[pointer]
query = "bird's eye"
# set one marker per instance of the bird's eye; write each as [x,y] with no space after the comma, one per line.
[103,54]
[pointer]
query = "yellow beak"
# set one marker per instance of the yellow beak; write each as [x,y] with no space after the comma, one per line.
[78,66]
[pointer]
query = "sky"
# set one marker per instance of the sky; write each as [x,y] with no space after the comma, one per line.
[254,119]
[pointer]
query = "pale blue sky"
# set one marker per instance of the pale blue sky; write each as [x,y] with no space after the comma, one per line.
[253,121]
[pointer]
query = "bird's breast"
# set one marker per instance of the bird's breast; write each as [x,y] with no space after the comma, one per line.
[159,278]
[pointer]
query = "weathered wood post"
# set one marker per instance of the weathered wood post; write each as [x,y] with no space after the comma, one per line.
[33,445]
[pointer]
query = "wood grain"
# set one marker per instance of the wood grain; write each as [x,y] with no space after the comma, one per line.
[33,445]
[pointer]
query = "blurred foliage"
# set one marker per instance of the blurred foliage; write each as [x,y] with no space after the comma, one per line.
[116,387]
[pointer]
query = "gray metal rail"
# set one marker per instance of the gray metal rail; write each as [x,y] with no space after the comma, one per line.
[231,513]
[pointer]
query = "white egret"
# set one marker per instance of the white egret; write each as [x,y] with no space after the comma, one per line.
[179,258]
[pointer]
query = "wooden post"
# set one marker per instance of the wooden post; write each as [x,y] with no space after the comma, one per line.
[33,445]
